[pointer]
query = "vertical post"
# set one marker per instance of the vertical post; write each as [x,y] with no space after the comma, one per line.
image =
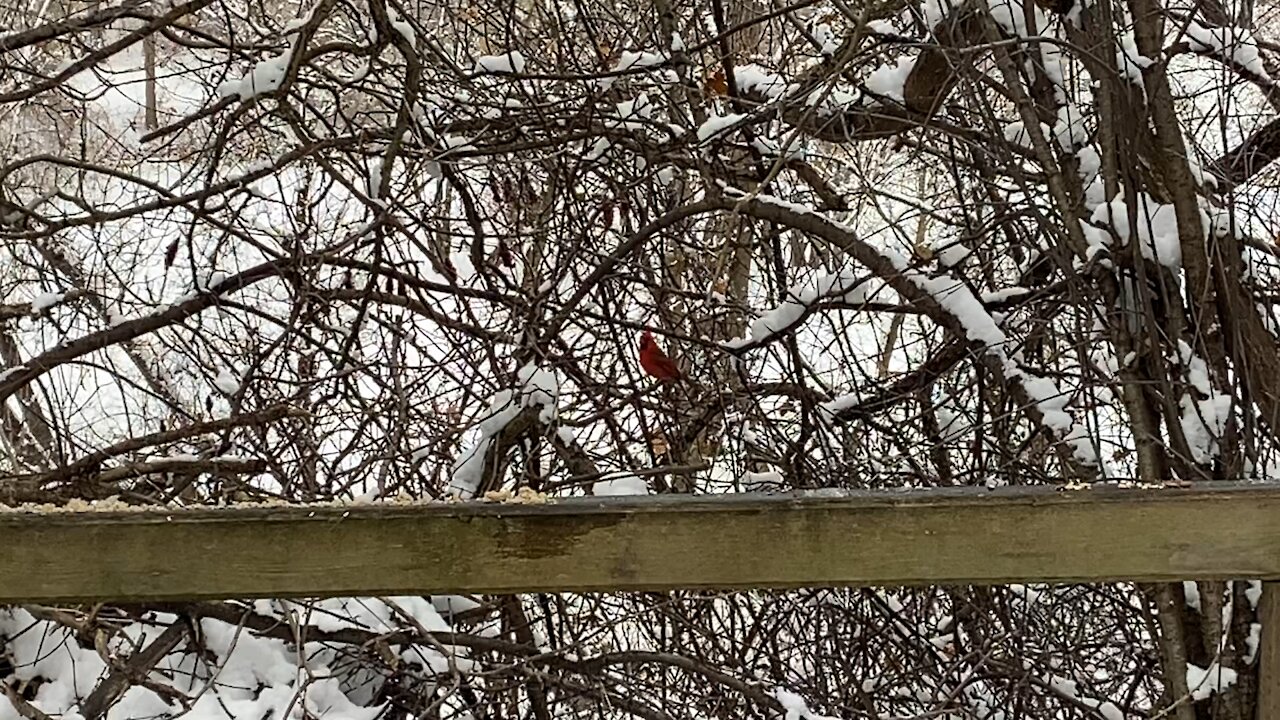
[152,117]
[1269,653]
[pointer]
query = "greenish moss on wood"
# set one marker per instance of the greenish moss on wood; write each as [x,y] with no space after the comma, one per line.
[890,538]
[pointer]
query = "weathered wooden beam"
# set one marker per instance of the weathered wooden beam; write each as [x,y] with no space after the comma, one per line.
[1268,705]
[889,538]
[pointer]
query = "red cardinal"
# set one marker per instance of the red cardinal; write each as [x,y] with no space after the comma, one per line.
[655,362]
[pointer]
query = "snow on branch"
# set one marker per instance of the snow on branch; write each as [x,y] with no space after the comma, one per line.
[133,328]
[1234,45]
[1204,411]
[511,413]
[1155,226]
[507,63]
[947,301]
[847,286]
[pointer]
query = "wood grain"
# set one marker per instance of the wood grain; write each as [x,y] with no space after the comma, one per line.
[968,536]
[1269,654]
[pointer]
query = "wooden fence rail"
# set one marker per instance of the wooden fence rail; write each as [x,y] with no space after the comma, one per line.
[965,536]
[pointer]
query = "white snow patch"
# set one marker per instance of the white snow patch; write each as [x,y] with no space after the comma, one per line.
[754,78]
[1235,44]
[1252,643]
[1157,227]
[468,470]
[1069,130]
[44,301]
[1012,18]
[506,63]
[265,77]
[840,403]
[621,485]
[1003,294]
[1070,689]
[935,11]
[1203,421]
[401,26]
[540,389]
[1130,61]
[1192,592]
[639,107]
[891,80]
[960,302]
[1029,595]
[1202,682]
[1090,162]
[455,144]
[717,124]
[1016,133]
[598,149]
[769,147]
[833,99]
[227,382]
[762,481]
[452,604]
[630,59]
[8,372]
[795,708]
[1253,593]
[848,286]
